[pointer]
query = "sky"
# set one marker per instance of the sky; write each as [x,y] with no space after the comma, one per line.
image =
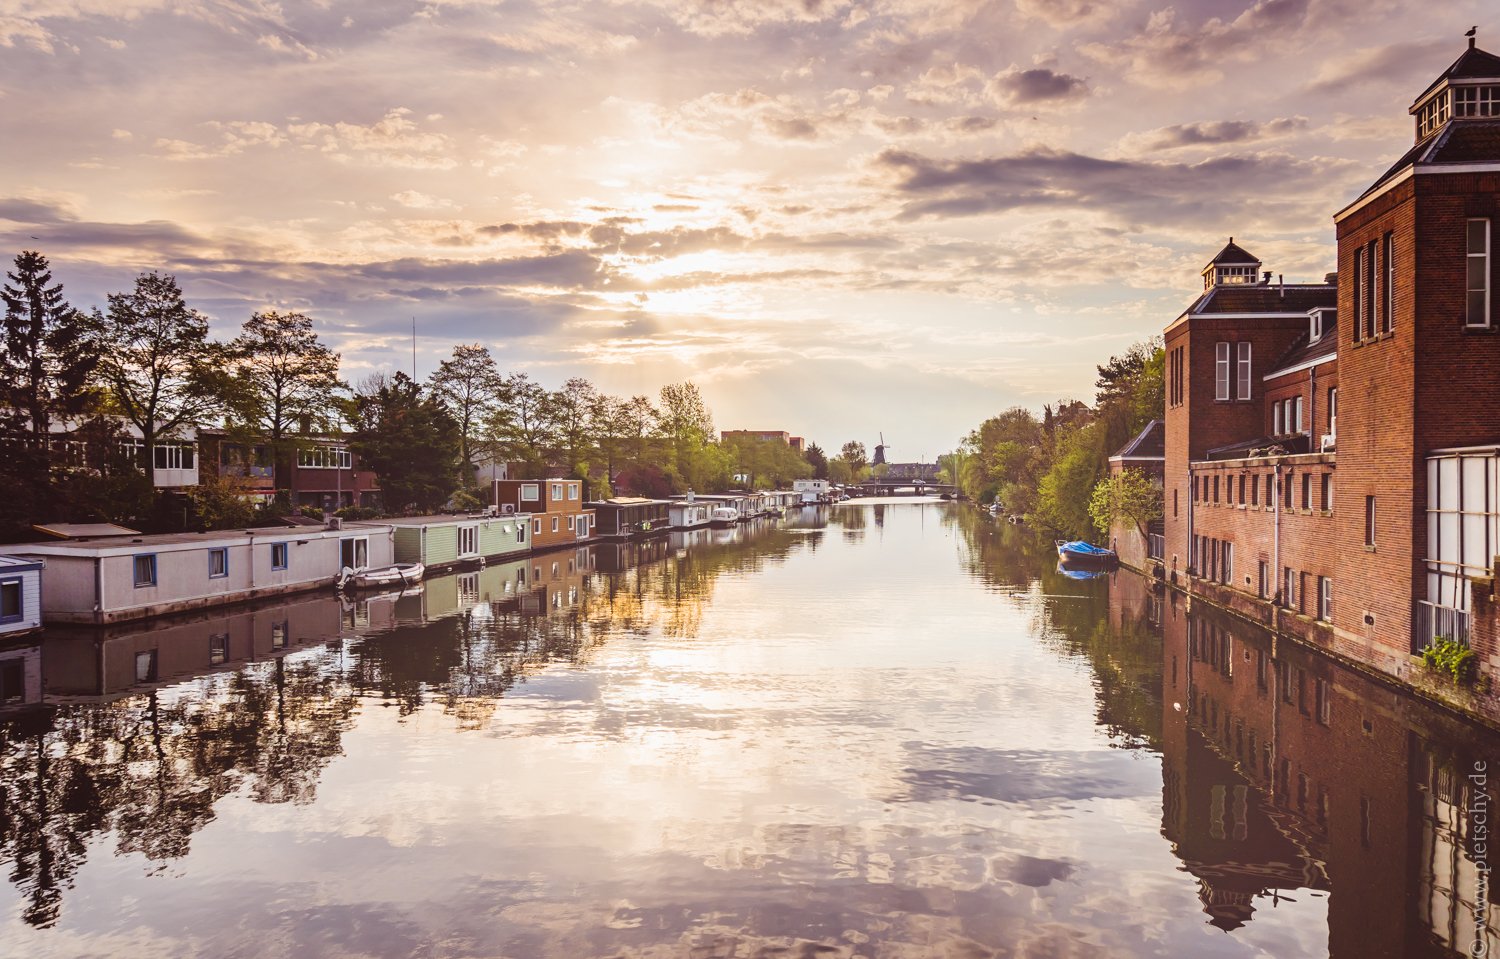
[840,218]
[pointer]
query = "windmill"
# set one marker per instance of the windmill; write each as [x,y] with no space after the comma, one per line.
[879,452]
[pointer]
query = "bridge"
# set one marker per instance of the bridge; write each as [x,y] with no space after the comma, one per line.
[901,487]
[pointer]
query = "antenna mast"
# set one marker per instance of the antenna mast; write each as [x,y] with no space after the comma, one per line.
[414,349]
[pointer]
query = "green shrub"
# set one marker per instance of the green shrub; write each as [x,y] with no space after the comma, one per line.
[356,513]
[1450,657]
[465,501]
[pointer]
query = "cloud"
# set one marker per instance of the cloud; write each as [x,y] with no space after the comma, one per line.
[1396,62]
[1069,13]
[1212,133]
[1019,87]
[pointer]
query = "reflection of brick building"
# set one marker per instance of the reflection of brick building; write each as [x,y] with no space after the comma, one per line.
[1362,526]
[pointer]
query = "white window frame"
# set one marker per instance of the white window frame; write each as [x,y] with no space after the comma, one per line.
[325,458]
[218,552]
[573,491]
[1221,370]
[536,525]
[1388,291]
[471,534]
[1325,599]
[357,545]
[1296,402]
[1243,368]
[1314,326]
[531,492]
[1484,266]
[1358,290]
[174,456]
[555,524]
[1277,422]
[557,492]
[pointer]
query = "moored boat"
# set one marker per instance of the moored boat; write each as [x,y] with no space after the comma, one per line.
[723,516]
[1080,553]
[397,574]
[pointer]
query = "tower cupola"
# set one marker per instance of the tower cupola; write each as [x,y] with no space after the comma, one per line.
[1231,267]
[1468,90]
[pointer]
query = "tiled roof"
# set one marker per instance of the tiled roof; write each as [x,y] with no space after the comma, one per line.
[1302,351]
[1472,64]
[1265,298]
[1149,443]
[1234,253]
[1290,446]
[1467,141]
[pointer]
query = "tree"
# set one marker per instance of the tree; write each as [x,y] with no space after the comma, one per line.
[283,381]
[685,424]
[573,408]
[520,426]
[818,460]
[638,418]
[51,349]
[411,441]
[158,361]
[854,456]
[1129,496]
[470,385]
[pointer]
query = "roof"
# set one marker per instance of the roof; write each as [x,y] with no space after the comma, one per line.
[1265,298]
[78,530]
[1234,253]
[1472,64]
[1289,445]
[1303,353]
[171,542]
[446,518]
[17,564]
[623,501]
[1149,443]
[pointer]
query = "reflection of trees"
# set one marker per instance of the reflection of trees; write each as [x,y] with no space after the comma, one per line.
[150,768]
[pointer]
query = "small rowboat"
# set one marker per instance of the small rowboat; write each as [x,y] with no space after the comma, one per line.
[1079,553]
[397,574]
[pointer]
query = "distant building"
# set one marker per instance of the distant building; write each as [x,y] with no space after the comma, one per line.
[795,442]
[1146,452]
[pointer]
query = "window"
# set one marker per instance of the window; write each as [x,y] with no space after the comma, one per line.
[1221,371]
[1295,426]
[536,525]
[145,569]
[557,491]
[1288,588]
[1326,481]
[1244,370]
[520,532]
[1478,285]
[1276,420]
[572,491]
[218,563]
[12,610]
[1325,599]
[554,524]
[1476,101]
[1307,491]
[1216,489]
[173,456]
[12,682]
[1178,389]
[1314,326]
[355,552]
[218,649]
[1196,498]
[1370,521]
[1358,293]
[1264,582]
[1370,288]
[468,540]
[1255,490]
[1388,288]
[325,458]
[1226,567]
[278,556]
[1286,492]
[1270,488]
[1333,411]
[279,633]
[1242,489]
[1174,502]
[530,492]
[571,526]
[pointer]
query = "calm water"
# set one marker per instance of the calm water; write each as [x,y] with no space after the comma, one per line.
[881,730]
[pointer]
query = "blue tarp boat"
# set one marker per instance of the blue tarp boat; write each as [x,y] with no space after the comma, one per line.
[1072,573]
[1081,553]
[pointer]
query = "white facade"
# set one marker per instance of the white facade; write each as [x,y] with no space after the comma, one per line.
[20,595]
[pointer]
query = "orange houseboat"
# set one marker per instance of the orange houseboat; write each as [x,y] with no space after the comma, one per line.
[558,516]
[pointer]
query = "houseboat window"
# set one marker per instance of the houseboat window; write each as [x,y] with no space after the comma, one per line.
[1369,521]
[557,491]
[1388,290]
[571,528]
[530,492]
[278,556]
[279,634]
[11,608]
[218,563]
[555,525]
[1221,371]
[520,532]
[173,456]
[145,569]
[1478,274]
[145,666]
[572,491]
[536,525]
[354,552]
[468,540]
[1244,370]
[1325,599]
[218,649]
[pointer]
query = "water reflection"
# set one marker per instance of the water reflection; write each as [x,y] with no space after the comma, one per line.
[893,729]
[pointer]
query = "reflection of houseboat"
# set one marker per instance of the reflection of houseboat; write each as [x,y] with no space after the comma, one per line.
[631,516]
[20,678]
[106,579]
[439,542]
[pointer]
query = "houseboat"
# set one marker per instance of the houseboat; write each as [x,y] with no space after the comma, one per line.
[20,596]
[812,491]
[441,542]
[114,578]
[690,513]
[625,516]
[556,506]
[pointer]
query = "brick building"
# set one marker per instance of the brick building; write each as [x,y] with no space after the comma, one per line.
[1366,526]
[1145,453]
[558,516]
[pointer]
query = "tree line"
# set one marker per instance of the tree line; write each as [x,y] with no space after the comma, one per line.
[1049,467]
[71,380]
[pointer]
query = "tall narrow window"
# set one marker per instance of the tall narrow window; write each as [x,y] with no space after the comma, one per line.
[1333,411]
[1243,369]
[1370,521]
[1307,491]
[1371,282]
[1325,598]
[1221,371]
[1358,293]
[1478,313]
[1327,484]
[1388,289]
[1276,424]
[1296,426]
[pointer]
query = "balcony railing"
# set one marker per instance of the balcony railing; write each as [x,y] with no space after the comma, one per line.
[1429,621]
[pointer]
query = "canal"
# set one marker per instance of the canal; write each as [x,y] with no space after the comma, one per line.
[882,729]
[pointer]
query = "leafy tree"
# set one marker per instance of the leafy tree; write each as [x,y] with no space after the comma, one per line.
[638,419]
[1127,497]
[51,349]
[158,362]
[686,426]
[283,381]
[854,456]
[573,409]
[818,460]
[411,441]
[470,385]
[520,427]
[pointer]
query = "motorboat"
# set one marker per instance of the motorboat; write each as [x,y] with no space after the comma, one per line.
[1080,553]
[1085,573]
[396,574]
[723,516]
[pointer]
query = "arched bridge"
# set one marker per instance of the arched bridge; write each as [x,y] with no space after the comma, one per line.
[902,487]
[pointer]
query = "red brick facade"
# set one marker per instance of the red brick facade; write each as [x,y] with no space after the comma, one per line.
[558,517]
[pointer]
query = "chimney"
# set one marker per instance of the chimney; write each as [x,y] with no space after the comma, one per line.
[1281,281]
[1266,278]
[1331,279]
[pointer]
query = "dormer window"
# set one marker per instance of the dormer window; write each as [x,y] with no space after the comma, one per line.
[1433,115]
[1315,326]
